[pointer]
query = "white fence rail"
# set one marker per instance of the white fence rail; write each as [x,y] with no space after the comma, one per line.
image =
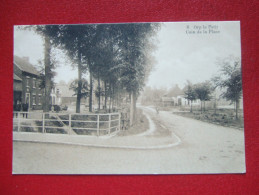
[67,123]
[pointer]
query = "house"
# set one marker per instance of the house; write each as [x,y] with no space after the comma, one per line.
[26,81]
[167,101]
[55,96]
[176,97]
[63,94]
[182,101]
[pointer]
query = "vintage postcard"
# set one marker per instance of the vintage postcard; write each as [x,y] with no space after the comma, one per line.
[129,98]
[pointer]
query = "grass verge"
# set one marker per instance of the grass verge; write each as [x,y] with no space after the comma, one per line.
[223,117]
[141,125]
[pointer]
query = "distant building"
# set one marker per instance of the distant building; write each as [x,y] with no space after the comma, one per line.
[170,99]
[26,84]
[55,96]
[174,97]
[175,91]
[66,96]
[182,101]
[167,101]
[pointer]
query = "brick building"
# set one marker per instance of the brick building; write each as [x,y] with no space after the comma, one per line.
[26,84]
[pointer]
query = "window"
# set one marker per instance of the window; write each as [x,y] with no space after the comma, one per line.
[34,100]
[34,83]
[39,99]
[27,82]
[53,100]
[39,83]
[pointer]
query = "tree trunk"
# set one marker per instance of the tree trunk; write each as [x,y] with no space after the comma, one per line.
[47,74]
[191,106]
[99,92]
[91,93]
[117,98]
[113,97]
[237,106]
[135,107]
[110,94]
[105,94]
[78,98]
[132,107]
[204,106]
[201,106]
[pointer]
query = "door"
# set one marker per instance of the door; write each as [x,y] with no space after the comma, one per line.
[27,99]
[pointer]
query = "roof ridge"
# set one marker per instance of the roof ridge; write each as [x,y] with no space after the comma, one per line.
[25,66]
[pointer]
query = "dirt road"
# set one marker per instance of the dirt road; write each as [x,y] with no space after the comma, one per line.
[204,148]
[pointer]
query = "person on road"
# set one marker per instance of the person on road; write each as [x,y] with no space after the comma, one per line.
[157,110]
[124,119]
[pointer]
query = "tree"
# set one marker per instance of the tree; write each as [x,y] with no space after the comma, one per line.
[84,88]
[49,34]
[121,58]
[152,95]
[190,94]
[76,41]
[230,78]
[136,47]
[175,91]
[203,92]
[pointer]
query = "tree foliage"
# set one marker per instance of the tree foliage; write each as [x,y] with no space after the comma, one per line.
[118,56]
[190,93]
[84,89]
[230,79]
[203,92]
[49,34]
[77,40]
[152,95]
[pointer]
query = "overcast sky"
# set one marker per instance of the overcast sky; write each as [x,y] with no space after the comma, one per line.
[181,55]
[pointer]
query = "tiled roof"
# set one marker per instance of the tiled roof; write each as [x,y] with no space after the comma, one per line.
[25,65]
[167,99]
[15,77]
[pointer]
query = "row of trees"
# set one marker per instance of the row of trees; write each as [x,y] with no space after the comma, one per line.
[119,56]
[201,91]
[229,80]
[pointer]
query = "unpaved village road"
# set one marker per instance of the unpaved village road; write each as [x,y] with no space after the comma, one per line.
[204,148]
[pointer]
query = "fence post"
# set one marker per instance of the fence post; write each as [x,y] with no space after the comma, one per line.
[69,123]
[18,121]
[43,122]
[119,122]
[109,123]
[98,125]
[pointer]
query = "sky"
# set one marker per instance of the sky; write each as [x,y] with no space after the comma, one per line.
[183,56]
[185,51]
[29,44]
